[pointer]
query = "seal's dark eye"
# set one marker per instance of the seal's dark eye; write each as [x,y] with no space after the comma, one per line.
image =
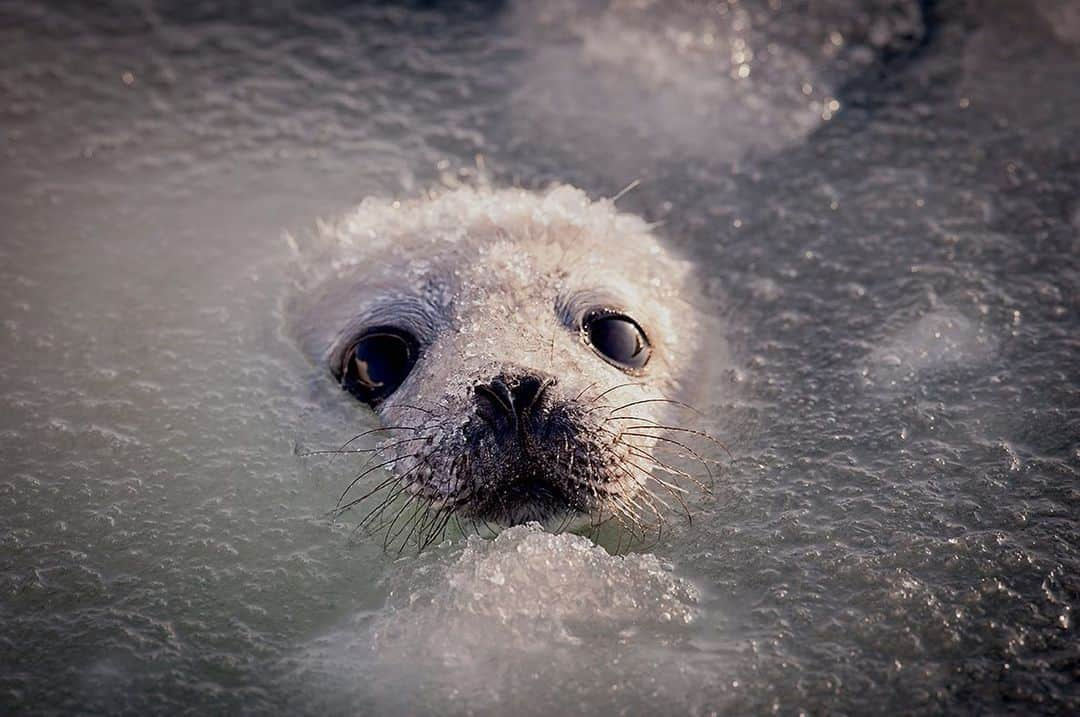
[378,363]
[618,339]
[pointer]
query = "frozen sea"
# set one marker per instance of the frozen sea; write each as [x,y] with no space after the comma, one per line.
[884,195]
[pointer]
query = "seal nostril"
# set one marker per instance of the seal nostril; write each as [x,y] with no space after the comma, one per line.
[511,398]
[525,393]
[494,401]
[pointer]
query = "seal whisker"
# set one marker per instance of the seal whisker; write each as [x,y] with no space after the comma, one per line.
[402,486]
[618,515]
[400,479]
[627,507]
[448,513]
[636,527]
[336,452]
[635,450]
[340,510]
[658,400]
[629,523]
[660,523]
[584,390]
[677,443]
[605,521]
[667,468]
[389,500]
[358,436]
[389,539]
[416,522]
[618,545]
[430,530]
[685,456]
[594,517]
[416,408]
[563,523]
[615,387]
[649,498]
[366,472]
[431,527]
[674,490]
[660,465]
[659,426]
[374,449]
[625,190]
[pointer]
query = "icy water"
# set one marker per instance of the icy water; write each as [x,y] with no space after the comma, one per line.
[887,202]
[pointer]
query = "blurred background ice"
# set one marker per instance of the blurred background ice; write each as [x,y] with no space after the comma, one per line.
[897,530]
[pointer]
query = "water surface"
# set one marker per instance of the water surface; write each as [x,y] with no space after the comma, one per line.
[895,251]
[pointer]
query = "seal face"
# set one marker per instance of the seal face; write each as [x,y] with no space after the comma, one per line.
[522,349]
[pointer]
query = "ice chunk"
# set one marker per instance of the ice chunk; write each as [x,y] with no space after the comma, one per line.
[506,620]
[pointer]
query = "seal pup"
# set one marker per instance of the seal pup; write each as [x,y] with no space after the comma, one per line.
[524,350]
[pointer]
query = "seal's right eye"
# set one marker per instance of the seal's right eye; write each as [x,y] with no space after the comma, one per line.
[378,363]
[618,339]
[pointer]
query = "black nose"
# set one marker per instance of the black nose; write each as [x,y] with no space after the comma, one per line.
[510,402]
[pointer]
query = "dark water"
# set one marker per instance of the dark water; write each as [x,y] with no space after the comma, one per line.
[888,199]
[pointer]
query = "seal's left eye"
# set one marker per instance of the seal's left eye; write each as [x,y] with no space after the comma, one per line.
[378,363]
[619,340]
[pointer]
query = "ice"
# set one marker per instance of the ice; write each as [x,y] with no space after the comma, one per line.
[636,83]
[941,339]
[1063,18]
[895,529]
[506,620]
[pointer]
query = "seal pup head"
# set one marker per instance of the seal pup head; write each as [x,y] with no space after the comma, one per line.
[523,348]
